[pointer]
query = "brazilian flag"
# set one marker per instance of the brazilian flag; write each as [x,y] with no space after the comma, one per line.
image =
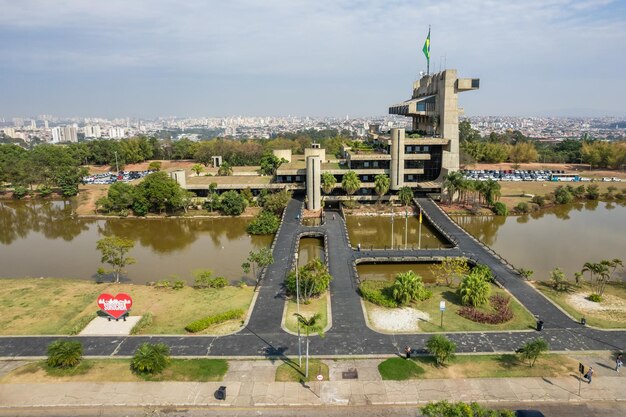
[426,48]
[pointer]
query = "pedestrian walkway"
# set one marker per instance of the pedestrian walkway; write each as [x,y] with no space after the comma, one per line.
[251,384]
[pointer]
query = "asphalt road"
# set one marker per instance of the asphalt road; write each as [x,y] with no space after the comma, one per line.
[592,409]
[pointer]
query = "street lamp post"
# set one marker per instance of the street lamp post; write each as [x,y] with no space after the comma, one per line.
[298,309]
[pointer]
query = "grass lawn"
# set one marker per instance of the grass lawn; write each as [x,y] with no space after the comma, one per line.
[118,370]
[477,366]
[291,372]
[612,317]
[317,305]
[399,369]
[452,322]
[63,306]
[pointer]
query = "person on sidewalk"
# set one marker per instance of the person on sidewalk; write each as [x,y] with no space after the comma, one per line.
[589,374]
[407,351]
[618,362]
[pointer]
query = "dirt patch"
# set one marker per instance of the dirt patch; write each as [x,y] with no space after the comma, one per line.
[611,308]
[404,319]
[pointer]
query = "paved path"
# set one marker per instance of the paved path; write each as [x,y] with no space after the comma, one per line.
[251,384]
[349,334]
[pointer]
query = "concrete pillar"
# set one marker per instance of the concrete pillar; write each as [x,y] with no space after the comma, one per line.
[314,182]
[180,177]
[396,168]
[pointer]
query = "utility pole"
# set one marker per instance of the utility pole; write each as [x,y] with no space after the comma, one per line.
[298,309]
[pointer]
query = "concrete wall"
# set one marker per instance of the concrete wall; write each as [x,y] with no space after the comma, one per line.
[314,182]
[397,159]
[282,153]
[315,152]
[180,176]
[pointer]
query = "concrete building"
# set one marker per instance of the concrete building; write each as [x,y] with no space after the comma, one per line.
[419,158]
[116,132]
[92,131]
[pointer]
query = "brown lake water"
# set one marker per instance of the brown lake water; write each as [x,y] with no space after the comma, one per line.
[564,236]
[388,271]
[310,248]
[44,239]
[375,232]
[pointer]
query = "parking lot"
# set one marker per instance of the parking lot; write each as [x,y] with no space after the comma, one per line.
[528,175]
[111,177]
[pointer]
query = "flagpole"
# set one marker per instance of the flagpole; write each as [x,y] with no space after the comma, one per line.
[428,60]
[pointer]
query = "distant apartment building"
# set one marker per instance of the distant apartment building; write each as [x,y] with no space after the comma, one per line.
[64,134]
[117,132]
[10,132]
[92,131]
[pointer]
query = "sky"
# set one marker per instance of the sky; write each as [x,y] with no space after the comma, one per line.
[213,58]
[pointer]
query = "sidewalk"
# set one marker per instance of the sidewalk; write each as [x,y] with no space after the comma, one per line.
[251,384]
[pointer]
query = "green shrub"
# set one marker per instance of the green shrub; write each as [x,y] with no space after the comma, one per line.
[407,287]
[596,298]
[500,209]
[378,292]
[205,279]
[538,200]
[204,323]
[144,321]
[178,285]
[64,354]
[350,204]
[441,348]
[163,284]
[593,192]
[150,358]
[45,191]
[562,195]
[232,203]
[20,192]
[522,207]
[446,409]
[265,223]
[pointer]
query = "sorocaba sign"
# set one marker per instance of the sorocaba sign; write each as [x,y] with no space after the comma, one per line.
[116,306]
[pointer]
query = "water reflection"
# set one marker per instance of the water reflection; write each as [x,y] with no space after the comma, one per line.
[45,239]
[375,232]
[310,248]
[565,236]
[388,271]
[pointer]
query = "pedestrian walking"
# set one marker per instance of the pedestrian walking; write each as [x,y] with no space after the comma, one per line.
[359,246]
[333,217]
[407,351]
[618,362]
[589,374]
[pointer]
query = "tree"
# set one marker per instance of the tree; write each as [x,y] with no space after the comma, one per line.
[310,325]
[313,278]
[260,259]
[407,287]
[270,163]
[526,273]
[154,166]
[441,347]
[557,279]
[64,354]
[150,358]
[452,184]
[460,409]
[350,183]
[491,191]
[225,170]
[265,223]
[450,271]
[523,152]
[114,252]
[474,289]
[161,192]
[197,168]
[562,195]
[405,194]
[328,182]
[232,203]
[531,350]
[275,202]
[381,185]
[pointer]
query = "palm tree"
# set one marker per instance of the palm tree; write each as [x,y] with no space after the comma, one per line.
[381,185]
[492,192]
[350,183]
[405,194]
[225,170]
[407,287]
[328,182]
[309,325]
[474,290]
[452,184]
[197,168]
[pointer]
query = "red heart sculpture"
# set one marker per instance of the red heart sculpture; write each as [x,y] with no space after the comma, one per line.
[116,306]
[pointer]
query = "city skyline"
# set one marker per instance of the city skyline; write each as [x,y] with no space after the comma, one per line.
[146,59]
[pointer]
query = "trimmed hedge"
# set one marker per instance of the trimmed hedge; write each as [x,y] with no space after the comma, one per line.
[203,323]
[378,292]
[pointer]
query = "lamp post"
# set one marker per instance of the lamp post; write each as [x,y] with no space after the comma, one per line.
[298,309]
[392,227]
